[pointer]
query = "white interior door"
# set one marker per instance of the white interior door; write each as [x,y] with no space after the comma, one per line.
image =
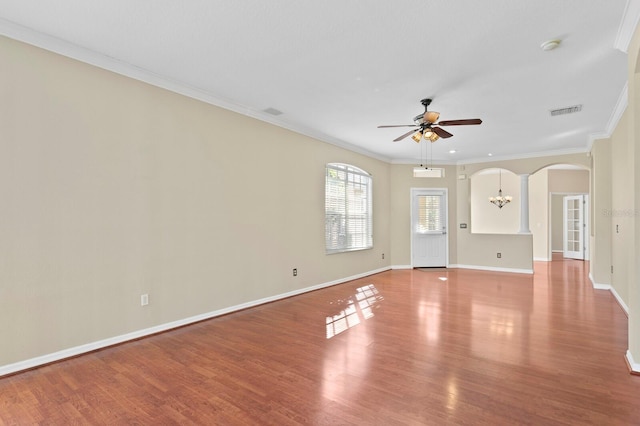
[574,226]
[429,228]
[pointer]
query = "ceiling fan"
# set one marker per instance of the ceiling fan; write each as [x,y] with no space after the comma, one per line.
[425,125]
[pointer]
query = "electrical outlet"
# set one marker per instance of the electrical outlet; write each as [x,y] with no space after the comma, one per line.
[499,255]
[383,255]
[144,300]
[295,272]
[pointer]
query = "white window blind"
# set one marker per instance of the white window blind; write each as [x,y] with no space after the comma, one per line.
[348,209]
[429,213]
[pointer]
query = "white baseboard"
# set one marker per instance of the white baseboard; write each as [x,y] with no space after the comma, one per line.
[598,286]
[613,291]
[482,268]
[494,269]
[635,367]
[402,267]
[557,251]
[541,259]
[623,305]
[100,344]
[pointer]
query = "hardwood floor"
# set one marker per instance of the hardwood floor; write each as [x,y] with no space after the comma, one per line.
[397,348]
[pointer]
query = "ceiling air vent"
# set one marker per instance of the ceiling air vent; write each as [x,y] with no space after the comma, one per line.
[566,110]
[272,111]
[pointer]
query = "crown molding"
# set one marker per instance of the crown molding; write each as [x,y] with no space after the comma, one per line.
[618,110]
[628,25]
[614,119]
[524,156]
[73,51]
[435,161]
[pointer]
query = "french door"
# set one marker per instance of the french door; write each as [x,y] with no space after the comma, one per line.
[574,225]
[429,242]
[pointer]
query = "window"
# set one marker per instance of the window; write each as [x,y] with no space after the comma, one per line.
[429,213]
[348,209]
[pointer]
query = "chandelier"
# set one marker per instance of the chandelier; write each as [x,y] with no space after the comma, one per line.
[500,200]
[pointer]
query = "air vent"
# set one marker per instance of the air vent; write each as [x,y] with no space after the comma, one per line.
[421,172]
[566,110]
[272,111]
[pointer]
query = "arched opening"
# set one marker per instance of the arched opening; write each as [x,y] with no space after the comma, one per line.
[486,217]
[554,229]
[548,188]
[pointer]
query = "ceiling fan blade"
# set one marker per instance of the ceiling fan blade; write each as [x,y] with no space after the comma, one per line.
[397,125]
[441,132]
[460,122]
[410,132]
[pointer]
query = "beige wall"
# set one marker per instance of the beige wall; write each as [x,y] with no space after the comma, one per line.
[569,181]
[625,204]
[633,189]
[621,213]
[486,218]
[112,188]
[556,222]
[600,218]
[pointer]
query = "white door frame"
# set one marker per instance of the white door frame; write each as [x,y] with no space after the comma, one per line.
[413,192]
[587,222]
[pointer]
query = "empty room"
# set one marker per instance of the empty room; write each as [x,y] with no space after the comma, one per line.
[448,233]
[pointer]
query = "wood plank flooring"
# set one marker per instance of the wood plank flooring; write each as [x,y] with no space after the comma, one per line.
[403,347]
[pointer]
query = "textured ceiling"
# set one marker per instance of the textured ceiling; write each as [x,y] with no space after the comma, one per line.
[338,69]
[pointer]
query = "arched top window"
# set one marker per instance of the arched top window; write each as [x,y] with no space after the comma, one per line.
[348,208]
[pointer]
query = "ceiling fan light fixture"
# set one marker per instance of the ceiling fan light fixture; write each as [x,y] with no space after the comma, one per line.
[431,116]
[430,135]
[417,136]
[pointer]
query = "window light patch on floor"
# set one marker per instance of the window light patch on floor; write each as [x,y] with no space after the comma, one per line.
[352,313]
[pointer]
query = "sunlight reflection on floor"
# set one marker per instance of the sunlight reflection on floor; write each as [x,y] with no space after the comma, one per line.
[353,310]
